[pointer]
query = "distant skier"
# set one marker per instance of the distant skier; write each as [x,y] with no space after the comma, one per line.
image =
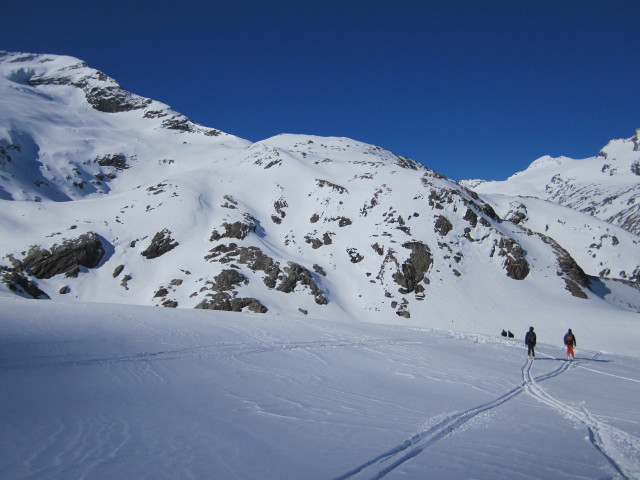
[530,342]
[570,342]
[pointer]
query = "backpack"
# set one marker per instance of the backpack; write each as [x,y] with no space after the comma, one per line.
[530,338]
[568,339]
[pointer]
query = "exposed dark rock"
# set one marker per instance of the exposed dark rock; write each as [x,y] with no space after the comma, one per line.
[574,288]
[117,161]
[517,213]
[280,205]
[342,221]
[162,292]
[230,203]
[178,122]
[239,230]
[489,212]
[443,225]
[467,234]
[354,256]
[336,188]
[160,244]
[573,274]
[183,124]
[253,257]
[223,301]
[314,218]
[170,304]
[319,270]
[378,249]
[114,99]
[402,308]
[155,114]
[471,217]
[294,274]
[125,281]
[316,242]
[435,201]
[228,279]
[303,311]
[64,290]
[118,270]
[515,263]
[413,270]
[404,162]
[17,282]
[220,250]
[86,251]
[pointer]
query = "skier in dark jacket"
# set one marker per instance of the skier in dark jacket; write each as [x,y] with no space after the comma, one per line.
[530,342]
[570,342]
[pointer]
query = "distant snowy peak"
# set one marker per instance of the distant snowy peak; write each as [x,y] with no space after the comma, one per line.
[606,186]
[545,162]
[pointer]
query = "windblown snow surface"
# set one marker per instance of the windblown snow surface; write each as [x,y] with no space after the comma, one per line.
[123,391]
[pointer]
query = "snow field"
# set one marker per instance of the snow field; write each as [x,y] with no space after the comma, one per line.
[114,391]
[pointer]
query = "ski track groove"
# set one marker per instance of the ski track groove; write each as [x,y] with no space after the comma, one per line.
[609,441]
[373,469]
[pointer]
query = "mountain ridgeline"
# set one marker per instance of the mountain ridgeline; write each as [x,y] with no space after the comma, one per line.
[111,197]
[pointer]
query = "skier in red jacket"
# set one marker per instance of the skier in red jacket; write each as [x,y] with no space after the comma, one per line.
[570,342]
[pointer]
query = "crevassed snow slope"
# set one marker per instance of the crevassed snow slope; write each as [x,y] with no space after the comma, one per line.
[136,392]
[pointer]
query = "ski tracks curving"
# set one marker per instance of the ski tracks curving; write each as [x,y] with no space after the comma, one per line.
[616,446]
[620,449]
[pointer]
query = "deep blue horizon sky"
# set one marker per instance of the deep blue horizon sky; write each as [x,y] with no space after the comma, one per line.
[471,89]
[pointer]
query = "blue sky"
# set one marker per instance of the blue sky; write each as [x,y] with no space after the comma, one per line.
[471,89]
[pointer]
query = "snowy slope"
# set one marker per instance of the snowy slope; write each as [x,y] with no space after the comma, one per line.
[600,248]
[606,186]
[135,392]
[110,197]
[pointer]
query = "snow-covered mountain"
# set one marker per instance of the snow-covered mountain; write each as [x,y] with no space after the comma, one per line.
[606,186]
[111,197]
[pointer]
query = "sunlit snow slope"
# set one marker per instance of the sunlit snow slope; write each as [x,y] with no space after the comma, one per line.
[114,391]
[111,197]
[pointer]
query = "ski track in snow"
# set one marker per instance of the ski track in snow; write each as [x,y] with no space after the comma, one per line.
[620,449]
